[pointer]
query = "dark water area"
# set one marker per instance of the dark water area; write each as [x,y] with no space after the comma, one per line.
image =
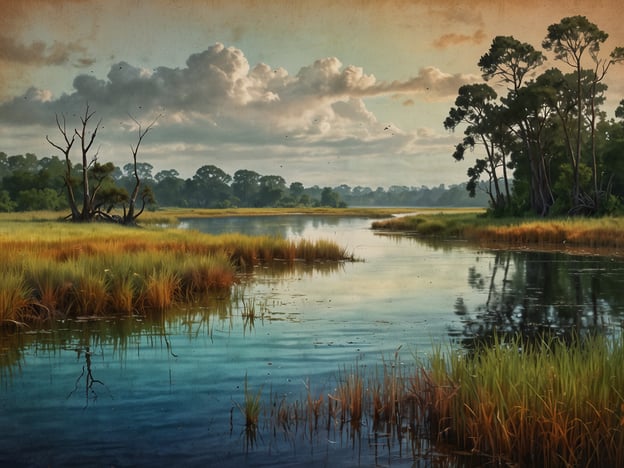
[168,390]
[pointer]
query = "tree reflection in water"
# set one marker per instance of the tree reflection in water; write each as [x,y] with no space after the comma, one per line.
[87,374]
[532,293]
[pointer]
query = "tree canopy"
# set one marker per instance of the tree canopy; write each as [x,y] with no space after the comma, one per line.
[548,129]
[28,183]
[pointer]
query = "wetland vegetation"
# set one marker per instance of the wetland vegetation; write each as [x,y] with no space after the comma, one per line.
[541,402]
[604,234]
[53,270]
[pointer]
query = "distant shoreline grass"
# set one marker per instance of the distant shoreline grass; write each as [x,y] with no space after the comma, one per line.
[603,235]
[173,216]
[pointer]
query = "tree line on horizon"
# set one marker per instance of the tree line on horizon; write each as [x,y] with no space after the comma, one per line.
[30,183]
[547,148]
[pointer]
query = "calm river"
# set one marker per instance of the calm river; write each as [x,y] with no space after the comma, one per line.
[168,391]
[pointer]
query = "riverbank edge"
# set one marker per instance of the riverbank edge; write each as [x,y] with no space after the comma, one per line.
[173,216]
[588,236]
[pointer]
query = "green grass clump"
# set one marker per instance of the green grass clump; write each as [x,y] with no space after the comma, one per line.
[250,409]
[251,406]
[548,403]
[438,224]
[14,296]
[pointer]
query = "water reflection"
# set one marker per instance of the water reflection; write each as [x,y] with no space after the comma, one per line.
[201,318]
[91,384]
[531,293]
[279,226]
[11,355]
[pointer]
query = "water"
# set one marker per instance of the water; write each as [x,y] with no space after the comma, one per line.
[167,391]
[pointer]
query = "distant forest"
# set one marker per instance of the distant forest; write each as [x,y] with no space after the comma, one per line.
[28,183]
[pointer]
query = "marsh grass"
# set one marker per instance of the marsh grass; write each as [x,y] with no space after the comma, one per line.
[314,406]
[440,224]
[161,288]
[388,393]
[540,403]
[594,233]
[349,396]
[251,409]
[547,403]
[169,215]
[14,298]
[202,274]
[52,269]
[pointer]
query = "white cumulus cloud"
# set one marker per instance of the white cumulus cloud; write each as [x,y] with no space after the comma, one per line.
[217,102]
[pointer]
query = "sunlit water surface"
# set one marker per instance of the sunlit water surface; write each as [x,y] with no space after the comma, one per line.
[141,392]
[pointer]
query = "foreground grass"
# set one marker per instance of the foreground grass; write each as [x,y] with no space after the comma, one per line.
[598,233]
[52,269]
[545,403]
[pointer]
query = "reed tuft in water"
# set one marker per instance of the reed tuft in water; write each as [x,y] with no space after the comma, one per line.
[540,403]
[547,403]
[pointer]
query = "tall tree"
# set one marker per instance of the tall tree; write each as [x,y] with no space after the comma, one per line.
[210,186]
[168,188]
[272,188]
[86,139]
[475,108]
[576,41]
[245,186]
[511,62]
[65,148]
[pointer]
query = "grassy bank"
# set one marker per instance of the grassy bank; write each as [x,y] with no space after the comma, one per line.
[525,404]
[596,233]
[172,216]
[50,270]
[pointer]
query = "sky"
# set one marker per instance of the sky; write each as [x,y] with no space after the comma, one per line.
[316,91]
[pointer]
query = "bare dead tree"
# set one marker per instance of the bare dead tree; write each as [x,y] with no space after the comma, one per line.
[86,142]
[96,194]
[131,215]
[67,177]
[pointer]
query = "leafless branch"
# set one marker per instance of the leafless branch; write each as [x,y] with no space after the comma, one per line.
[142,133]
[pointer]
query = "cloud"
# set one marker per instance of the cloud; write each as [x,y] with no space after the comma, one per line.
[452,39]
[433,82]
[39,53]
[220,85]
[219,107]
[458,14]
